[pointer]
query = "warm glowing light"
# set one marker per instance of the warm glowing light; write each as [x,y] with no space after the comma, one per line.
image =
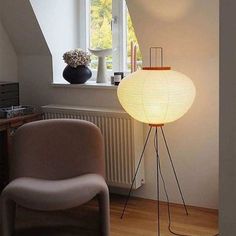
[156,96]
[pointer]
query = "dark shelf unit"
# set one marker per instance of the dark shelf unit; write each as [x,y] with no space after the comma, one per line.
[7,131]
[3,159]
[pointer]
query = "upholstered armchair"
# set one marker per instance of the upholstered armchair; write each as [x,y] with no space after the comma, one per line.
[56,165]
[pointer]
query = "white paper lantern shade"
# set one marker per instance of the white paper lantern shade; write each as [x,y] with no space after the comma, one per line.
[156,95]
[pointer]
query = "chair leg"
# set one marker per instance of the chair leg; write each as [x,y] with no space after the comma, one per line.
[8,217]
[104,209]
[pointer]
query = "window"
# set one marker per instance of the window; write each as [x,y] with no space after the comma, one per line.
[110,27]
[100,18]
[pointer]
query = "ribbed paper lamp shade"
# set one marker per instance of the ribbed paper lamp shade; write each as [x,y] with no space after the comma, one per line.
[156,96]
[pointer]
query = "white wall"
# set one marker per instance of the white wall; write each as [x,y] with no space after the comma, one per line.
[189,33]
[227,118]
[59,24]
[8,58]
[191,46]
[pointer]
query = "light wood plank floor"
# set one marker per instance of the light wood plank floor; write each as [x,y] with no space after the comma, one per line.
[140,220]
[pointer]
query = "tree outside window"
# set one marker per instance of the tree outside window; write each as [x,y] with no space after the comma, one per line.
[101,16]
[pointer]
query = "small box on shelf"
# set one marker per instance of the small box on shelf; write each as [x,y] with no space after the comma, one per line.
[14,111]
[118,76]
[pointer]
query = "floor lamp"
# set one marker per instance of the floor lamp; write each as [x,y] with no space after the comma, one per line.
[156,96]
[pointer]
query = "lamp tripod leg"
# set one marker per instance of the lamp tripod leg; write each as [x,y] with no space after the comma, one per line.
[157,182]
[136,172]
[167,198]
[173,167]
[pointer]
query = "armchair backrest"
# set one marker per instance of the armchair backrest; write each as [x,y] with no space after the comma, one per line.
[57,149]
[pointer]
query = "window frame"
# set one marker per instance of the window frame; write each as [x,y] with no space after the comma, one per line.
[119,33]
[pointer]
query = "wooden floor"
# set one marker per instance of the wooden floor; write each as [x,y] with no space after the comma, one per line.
[140,220]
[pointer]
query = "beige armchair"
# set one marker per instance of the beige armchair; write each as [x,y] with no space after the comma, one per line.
[57,164]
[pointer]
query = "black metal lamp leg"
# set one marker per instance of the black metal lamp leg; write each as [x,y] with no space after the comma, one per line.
[167,196]
[136,172]
[157,183]
[173,167]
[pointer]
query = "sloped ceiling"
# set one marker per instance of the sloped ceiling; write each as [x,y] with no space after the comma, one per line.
[22,27]
[8,58]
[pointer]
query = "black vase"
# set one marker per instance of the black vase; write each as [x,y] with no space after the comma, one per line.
[78,75]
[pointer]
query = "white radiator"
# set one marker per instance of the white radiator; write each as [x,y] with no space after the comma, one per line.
[123,138]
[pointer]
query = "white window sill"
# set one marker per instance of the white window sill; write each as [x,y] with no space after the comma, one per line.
[87,85]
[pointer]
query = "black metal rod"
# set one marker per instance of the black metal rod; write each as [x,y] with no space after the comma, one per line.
[136,172]
[157,184]
[165,190]
[168,204]
[173,167]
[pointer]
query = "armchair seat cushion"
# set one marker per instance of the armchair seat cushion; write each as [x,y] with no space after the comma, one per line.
[47,195]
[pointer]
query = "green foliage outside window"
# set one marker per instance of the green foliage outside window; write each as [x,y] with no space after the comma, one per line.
[101,33]
[101,16]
